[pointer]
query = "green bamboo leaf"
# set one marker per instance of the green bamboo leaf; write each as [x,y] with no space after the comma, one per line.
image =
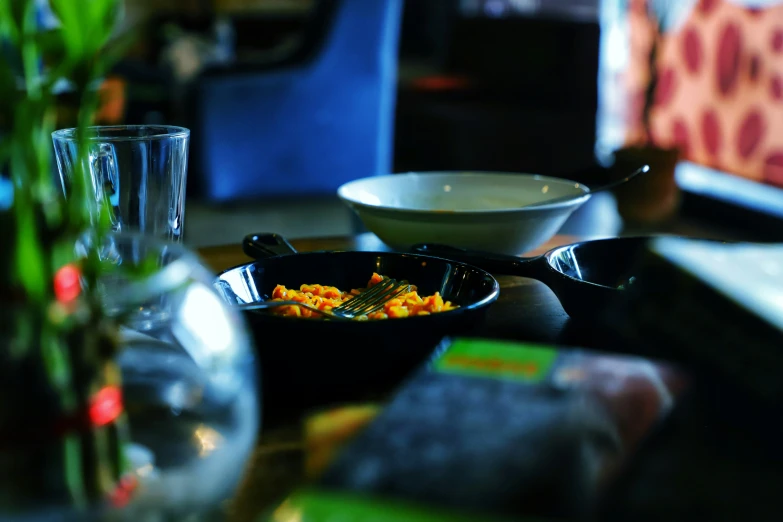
[73,31]
[104,18]
[57,364]
[49,40]
[74,476]
[30,56]
[47,118]
[86,25]
[8,83]
[105,213]
[37,243]
[63,251]
[30,265]
[12,16]
[9,29]
[52,48]
[20,10]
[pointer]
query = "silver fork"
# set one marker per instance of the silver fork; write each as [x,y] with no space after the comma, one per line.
[370,300]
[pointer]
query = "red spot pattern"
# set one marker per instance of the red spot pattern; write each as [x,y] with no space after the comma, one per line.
[705,6]
[733,120]
[776,88]
[751,132]
[664,91]
[729,52]
[777,40]
[710,128]
[692,50]
[773,168]
[681,136]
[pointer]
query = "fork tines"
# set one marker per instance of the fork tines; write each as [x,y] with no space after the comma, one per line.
[374,298]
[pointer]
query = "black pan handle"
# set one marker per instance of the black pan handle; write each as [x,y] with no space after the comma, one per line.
[264,245]
[532,267]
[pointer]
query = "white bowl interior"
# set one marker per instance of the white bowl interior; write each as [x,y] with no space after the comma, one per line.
[458,191]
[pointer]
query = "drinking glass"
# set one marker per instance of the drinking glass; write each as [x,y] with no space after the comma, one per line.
[140,169]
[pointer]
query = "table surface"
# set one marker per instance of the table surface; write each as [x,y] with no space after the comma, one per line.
[526,310]
[717,451]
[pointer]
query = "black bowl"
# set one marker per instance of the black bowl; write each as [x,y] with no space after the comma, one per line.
[310,361]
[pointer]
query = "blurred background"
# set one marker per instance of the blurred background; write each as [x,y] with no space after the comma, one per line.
[288,99]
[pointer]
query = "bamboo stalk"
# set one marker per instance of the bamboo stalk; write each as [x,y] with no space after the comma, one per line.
[66,359]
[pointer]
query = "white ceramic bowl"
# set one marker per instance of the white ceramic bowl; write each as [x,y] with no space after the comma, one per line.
[478,210]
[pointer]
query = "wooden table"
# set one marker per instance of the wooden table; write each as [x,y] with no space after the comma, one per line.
[526,310]
[695,447]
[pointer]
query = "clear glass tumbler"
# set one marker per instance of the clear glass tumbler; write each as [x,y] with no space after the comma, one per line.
[140,169]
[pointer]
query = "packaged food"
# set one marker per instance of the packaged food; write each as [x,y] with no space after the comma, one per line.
[500,429]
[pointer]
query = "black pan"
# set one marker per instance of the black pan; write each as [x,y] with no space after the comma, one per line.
[584,276]
[315,361]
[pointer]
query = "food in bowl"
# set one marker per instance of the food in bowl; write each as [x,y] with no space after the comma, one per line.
[325,298]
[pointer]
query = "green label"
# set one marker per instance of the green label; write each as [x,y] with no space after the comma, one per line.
[510,361]
[310,505]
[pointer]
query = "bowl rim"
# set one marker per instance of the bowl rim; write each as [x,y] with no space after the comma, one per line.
[578,200]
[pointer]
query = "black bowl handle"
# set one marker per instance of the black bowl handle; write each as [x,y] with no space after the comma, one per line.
[495,263]
[265,245]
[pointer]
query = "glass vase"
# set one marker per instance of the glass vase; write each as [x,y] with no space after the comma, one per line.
[188,397]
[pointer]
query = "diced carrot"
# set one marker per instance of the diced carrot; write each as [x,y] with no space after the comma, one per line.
[329,297]
[397,311]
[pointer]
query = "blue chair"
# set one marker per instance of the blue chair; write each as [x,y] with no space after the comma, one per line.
[307,123]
